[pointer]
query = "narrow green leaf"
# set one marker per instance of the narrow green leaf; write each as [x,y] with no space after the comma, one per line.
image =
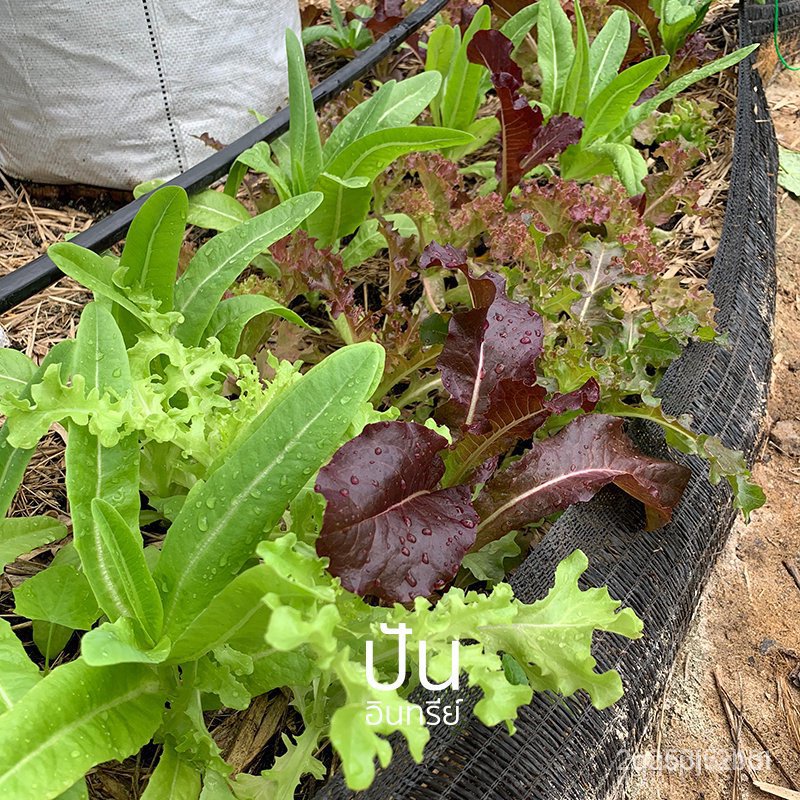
[462,94]
[75,718]
[392,106]
[153,244]
[16,371]
[235,177]
[234,611]
[216,211]
[20,535]
[219,526]
[59,594]
[442,44]
[219,261]
[232,315]
[363,119]
[576,89]
[259,159]
[304,141]
[521,24]
[556,52]
[91,271]
[337,17]
[128,590]
[607,52]
[174,778]
[316,32]
[640,112]
[609,107]
[18,674]
[94,471]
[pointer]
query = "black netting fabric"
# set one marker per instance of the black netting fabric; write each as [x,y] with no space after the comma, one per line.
[568,750]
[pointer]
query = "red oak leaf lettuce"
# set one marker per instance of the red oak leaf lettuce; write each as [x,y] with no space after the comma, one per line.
[526,141]
[571,467]
[388,530]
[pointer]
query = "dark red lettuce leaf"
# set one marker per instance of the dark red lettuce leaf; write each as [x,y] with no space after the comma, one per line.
[572,466]
[388,13]
[519,122]
[387,530]
[526,142]
[555,137]
[516,410]
[499,340]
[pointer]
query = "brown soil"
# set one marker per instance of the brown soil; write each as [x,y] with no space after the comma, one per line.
[746,637]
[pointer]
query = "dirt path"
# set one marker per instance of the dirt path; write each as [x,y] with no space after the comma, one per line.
[746,638]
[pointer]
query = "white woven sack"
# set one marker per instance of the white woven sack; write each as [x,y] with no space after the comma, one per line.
[113,93]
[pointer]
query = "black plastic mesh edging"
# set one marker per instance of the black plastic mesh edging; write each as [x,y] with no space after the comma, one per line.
[568,750]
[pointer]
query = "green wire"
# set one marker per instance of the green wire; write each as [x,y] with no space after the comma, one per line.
[777,46]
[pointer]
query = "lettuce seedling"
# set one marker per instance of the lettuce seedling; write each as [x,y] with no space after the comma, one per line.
[583,79]
[463,83]
[347,36]
[365,142]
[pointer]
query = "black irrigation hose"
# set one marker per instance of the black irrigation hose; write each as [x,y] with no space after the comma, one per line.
[566,750]
[31,278]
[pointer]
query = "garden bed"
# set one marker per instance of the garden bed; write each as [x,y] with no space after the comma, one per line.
[648,571]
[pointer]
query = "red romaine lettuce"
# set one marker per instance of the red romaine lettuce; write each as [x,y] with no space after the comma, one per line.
[388,530]
[571,467]
[488,366]
[526,141]
[496,341]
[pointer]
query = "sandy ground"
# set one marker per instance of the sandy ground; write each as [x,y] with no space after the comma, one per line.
[745,642]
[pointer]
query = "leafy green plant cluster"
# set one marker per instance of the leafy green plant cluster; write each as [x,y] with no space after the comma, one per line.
[474,334]
[229,600]
[347,36]
[360,148]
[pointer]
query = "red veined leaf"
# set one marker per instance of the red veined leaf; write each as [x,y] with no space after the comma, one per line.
[519,122]
[571,467]
[516,410]
[388,530]
[498,340]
